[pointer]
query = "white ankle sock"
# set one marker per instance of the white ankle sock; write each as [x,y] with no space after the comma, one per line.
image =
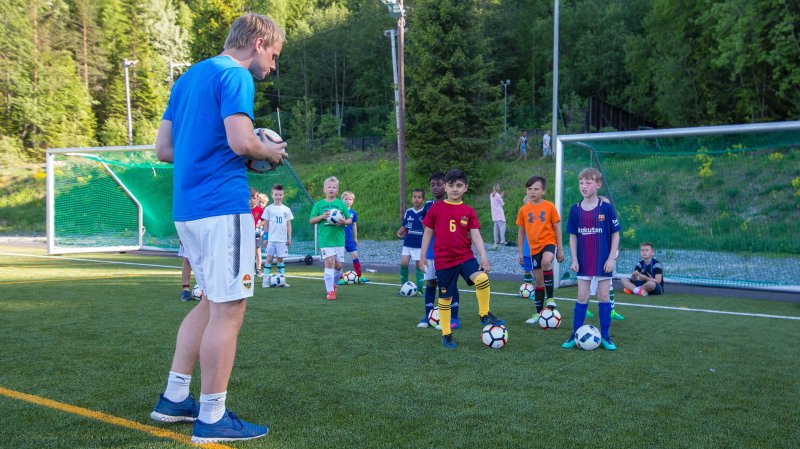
[212,407]
[177,386]
[637,290]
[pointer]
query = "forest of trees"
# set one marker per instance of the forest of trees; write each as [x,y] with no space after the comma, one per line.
[672,62]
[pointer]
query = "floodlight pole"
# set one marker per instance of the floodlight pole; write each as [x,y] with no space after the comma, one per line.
[505,84]
[554,143]
[172,66]
[396,10]
[125,64]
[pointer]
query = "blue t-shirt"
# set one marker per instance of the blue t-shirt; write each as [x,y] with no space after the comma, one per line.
[429,254]
[412,221]
[594,229]
[209,179]
[348,230]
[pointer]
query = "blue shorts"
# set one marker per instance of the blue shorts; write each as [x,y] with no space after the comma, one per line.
[350,245]
[448,278]
[527,264]
[656,291]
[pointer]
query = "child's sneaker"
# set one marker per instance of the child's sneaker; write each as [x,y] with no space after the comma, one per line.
[186,295]
[448,342]
[551,304]
[285,284]
[229,428]
[589,313]
[455,323]
[259,273]
[627,291]
[489,318]
[331,295]
[534,319]
[265,282]
[608,345]
[363,280]
[642,292]
[423,323]
[341,281]
[616,316]
[168,411]
[570,343]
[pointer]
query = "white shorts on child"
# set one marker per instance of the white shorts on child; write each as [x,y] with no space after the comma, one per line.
[333,251]
[221,251]
[277,249]
[412,252]
[430,272]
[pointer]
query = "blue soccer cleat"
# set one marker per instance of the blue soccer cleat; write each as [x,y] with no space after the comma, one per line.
[186,295]
[570,343]
[229,428]
[489,318]
[168,411]
[455,323]
[608,345]
[448,342]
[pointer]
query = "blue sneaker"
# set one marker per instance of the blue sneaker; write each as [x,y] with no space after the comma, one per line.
[491,319]
[168,411]
[186,295]
[448,342]
[570,343]
[229,428]
[608,345]
[455,323]
[362,280]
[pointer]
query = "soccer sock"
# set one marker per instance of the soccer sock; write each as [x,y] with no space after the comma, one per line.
[212,407]
[579,316]
[548,283]
[281,268]
[482,292]
[268,268]
[611,296]
[430,298]
[337,274]
[357,267]
[420,279]
[444,315]
[403,274]
[329,280]
[527,277]
[454,306]
[538,295]
[605,319]
[177,386]
[186,286]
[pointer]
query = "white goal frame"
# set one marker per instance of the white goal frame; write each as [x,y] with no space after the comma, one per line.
[647,134]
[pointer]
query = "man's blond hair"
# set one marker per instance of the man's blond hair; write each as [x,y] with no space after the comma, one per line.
[591,173]
[251,26]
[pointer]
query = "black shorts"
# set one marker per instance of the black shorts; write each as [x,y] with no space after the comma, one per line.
[448,278]
[656,291]
[536,259]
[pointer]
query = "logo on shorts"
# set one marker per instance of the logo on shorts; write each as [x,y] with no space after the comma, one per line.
[464,220]
[601,218]
[442,291]
[247,281]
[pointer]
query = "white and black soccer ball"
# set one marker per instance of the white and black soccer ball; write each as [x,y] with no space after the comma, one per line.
[433,318]
[335,217]
[526,290]
[408,289]
[494,336]
[350,277]
[197,292]
[264,166]
[277,280]
[550,319]
[587,337]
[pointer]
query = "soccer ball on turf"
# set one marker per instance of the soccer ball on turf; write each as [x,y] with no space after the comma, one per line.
[550,319]
[408,289]
[433,317]
[350,277]
[526,290]
[197,292]
[277,280]
[264,166]
[335,216]
[494,337]
[587,337]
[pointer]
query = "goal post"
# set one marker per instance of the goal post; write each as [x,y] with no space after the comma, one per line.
[117,199]
[721,204]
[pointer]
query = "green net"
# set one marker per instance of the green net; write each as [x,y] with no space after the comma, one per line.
[96,194]
[721,210]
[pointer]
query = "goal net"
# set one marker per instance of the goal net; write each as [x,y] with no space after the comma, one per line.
[720,204]
[120,199]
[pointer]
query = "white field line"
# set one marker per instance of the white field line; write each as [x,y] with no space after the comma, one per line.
[649,306]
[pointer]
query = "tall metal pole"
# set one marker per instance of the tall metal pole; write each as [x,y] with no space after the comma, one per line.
[172,66]
[505,84]
[125,64]
[401,129]
[392,34]
[554,143]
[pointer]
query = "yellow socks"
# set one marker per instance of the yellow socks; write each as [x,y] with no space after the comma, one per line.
[482,292]
[444,315]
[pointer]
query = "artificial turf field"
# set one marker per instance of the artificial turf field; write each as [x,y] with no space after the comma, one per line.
[87,342]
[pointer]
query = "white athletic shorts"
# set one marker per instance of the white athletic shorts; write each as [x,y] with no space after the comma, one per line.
[221,251]
[335,251]
[430,272]
[413,252]
[182,252]
[594,280]
[277,249]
